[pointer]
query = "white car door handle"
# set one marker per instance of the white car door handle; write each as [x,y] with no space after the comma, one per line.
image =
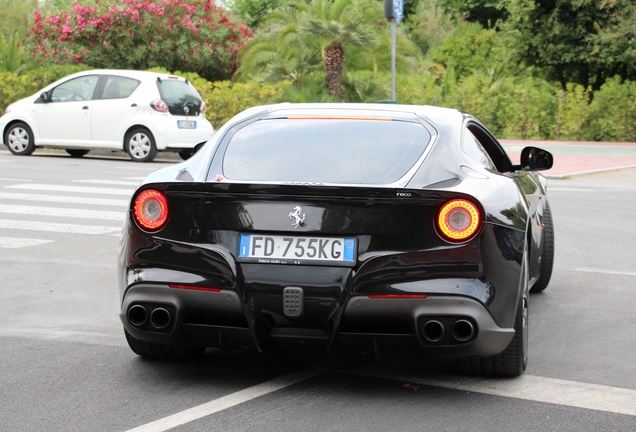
[85,107]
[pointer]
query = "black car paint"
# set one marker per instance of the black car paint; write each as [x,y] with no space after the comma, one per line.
[200,243]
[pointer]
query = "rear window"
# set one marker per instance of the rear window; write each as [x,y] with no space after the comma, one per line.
[177,92]
[117,87]
[325,150]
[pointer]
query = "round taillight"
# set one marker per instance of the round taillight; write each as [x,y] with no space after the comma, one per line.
[458,220]
[159,105]
[151,210]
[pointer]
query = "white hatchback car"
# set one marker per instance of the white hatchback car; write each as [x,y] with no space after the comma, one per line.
[141,113]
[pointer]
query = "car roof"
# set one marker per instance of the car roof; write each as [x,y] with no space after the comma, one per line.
[125,72]
[436,116]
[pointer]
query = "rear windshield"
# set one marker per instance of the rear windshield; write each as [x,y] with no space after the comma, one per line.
[325,151]
[177,92]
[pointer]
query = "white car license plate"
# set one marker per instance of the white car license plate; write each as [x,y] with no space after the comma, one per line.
[186,124]
[273,249]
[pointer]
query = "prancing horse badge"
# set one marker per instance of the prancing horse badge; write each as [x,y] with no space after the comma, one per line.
[295,215]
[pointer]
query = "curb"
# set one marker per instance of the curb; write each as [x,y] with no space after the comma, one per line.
[584,173]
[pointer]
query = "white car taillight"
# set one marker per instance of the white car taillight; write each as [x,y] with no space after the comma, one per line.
[159,105]
[203,108]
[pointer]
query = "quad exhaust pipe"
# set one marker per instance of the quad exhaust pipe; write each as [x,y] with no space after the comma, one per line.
[138,316]
[160,318]
[462,330]
[433,330]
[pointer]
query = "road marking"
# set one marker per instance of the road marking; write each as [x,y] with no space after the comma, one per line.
[240,397]
[57,227]
[527,387]
[74,189]
[14,243]
[138,168]
[64,199]
[62,212]
[135,178]
[556,189]
[612,272]
[14,180]
[109,182]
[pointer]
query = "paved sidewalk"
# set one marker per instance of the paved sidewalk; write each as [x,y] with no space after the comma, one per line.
[579,158]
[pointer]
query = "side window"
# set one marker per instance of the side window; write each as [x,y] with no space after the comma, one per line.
[116,87]
[77,89]
[474,149]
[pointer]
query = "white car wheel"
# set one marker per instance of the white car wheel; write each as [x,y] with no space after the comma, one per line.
[19,139]
[140,145]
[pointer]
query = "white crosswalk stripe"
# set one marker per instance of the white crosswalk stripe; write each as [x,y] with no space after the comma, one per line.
[64,199]
[57,227]
[27,207]
[110,182]
[73,189]
[14,243]
[62,212]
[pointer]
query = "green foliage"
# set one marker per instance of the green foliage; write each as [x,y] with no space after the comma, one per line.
[485,12]
[14,87]
[431,24]
[469,48]
[16,16]
[573,114]
[290,45]
[612,113]
[573,41]
[191,35]
[252,11]
[13,57]
[530,109]
[227,99]
[365,87]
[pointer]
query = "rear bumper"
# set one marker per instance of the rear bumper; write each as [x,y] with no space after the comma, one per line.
[218,319]
[170,137]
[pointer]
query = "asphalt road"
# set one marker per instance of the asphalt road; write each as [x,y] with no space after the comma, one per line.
[65,365]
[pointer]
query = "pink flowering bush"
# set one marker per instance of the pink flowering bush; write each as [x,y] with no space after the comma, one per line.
[187,35]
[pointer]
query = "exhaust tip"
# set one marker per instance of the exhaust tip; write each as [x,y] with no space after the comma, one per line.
[160,318]
[137,315]
[433,330]
[463,330]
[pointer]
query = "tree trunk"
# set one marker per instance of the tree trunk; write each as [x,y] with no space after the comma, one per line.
[334,65]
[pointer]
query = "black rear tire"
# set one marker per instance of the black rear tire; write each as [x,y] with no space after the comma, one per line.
[186,154]
[547,252]
[161,351]
[19,139]
[513,361]
[77,153]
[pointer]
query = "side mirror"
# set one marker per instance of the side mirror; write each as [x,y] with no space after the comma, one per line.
[44,97]
[536,159]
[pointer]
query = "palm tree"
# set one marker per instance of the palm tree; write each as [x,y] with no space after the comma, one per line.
[337,23]
[299,38]
[279,51]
